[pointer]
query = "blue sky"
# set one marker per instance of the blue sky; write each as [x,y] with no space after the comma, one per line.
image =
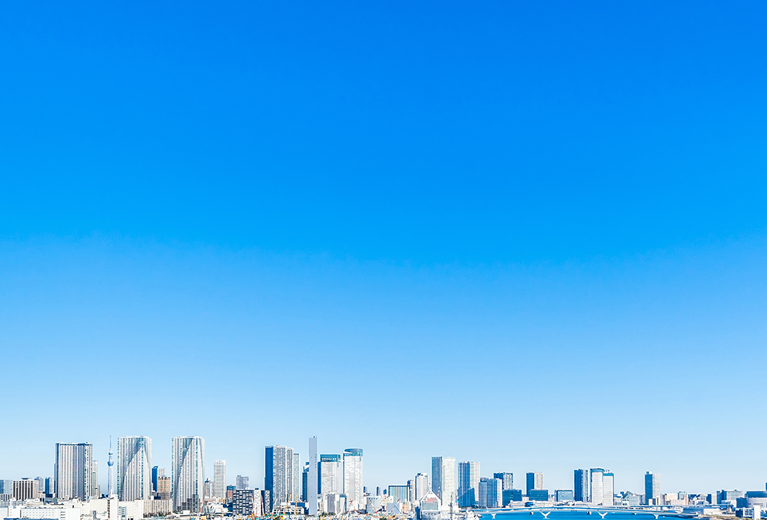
[530,234]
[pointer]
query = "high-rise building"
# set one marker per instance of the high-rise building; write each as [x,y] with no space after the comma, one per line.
[651,487]
[581,485]
[443,481]
[188,473]
[157,472]
[73,470]
[134,468]
[164,488]
[608,488]
[398,493]
[25,489]
[533,481]
[219,479]
[95,479]
[490,492]
[247,502]
[596,487]
[421,486]
[242,482]
[468,484]
[278,478]
[507,480]
[295,494]
[353,479]
[331,478]
[110,470]
[312,483]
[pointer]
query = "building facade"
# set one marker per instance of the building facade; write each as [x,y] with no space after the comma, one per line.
[468,483]
[352,459]
[420,486]
[134,468]
[278,479]
[581,485]
[443,481]
[219,479]
[490,492]
[73,471]
[533,481]
[651,487]
[188,473]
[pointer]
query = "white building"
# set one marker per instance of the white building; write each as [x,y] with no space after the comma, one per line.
[134,468]
[608,489]
[278,477]
[331,477]
[188,475]
[443,481]
[421,486]
[73,471]
[295,494]
[596,486]
[219,479]
[353,488]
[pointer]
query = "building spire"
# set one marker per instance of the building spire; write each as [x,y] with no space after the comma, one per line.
[110,463]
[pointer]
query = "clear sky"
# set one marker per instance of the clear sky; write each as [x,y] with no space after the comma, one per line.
[531,234]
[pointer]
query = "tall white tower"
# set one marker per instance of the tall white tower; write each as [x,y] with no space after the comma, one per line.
[219,479]
[110,476]
[188,473]
[134,468]
[353,478]
[311,481]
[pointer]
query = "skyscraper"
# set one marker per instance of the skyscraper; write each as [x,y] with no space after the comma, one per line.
[651,487]
[134,463]
[312,484]
[95,479]
[110,470]
[421,486]
[241,482]
[278,477]
[331,474]
[507,480]
[443,480]
[608,489]
[596,489]
[73,470]
[353,479]
[295,494]
[157,472]
[219,479]
[188,473]
[468,484]
[490,492]
[581,485]
[534,481]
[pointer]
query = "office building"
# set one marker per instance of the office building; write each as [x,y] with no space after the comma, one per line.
[538,495]
[266,501]
[443,481]
[278,479]
[25,489]
[420,486]
[95,479]
[73,471]
[490,492]
[596,486]
[608,488]
[651,488]
[581,489]
[134,468]
[399,493]
[352,459]
[507,479]
[157,472]
[312,481]
[242,482]
[533,481]
[164,488]
[564,495]
[468,484]
[188,475]
[219,479]
[330,473]
[247,502]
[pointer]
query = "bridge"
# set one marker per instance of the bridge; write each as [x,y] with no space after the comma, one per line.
[545,511]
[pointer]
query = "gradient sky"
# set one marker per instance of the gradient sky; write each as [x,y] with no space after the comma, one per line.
[532,234]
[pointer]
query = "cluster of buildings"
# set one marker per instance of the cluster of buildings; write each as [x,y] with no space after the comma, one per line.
[327,483]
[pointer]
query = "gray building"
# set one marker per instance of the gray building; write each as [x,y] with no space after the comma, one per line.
[507,479]
[399,493]
[564,495]
[242,482]
[247,502]
[490,492]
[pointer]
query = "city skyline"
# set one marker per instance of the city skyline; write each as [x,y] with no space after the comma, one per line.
[530,235]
